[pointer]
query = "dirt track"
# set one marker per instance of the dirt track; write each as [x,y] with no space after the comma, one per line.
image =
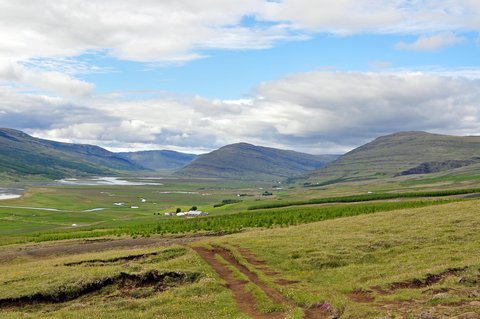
[244,299]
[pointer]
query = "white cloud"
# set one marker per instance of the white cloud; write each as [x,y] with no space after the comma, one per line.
[431,43]
[53,81]
[313,112]
[176,31]
[144,30]
[376,16]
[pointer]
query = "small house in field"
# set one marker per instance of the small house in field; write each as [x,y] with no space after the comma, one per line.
[180,214]
[195,213]
[170,214]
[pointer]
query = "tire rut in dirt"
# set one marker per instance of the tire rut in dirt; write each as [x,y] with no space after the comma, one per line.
[245,300]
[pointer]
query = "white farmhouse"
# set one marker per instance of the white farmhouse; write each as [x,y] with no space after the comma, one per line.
[195,213]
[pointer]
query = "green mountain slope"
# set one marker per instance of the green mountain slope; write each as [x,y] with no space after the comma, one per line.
[159,160]
[403,153]
[246,161]
[24,155]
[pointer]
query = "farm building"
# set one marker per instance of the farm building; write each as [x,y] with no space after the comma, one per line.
[170,214]
[195,213]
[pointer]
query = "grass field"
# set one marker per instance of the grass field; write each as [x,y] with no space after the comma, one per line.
[357,267]
[411,256]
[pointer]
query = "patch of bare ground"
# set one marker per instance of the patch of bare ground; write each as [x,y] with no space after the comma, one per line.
[417,309]
[418,283]
[167,254]
[319,311]
[438,303]
[428,280]
[78,246]
[285,282]
[362,296]
[245,301]
[158,281]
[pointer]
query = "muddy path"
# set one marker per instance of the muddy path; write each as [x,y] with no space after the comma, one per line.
[245,300]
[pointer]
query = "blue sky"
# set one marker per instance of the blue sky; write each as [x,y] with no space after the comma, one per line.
[232,74]
[307,75]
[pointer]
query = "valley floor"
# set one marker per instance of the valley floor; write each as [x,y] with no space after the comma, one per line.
[409,263]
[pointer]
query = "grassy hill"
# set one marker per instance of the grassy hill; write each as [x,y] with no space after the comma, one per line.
[159,160]
[23,155]
[404,153]
[408,263]
[246,161]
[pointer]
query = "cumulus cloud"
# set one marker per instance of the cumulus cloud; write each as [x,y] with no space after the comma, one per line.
[53,81]
[159,31]
[431,43]
[141,31]
[376,16]
[316,112]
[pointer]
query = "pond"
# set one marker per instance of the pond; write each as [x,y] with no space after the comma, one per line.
[94,181]
[11,193]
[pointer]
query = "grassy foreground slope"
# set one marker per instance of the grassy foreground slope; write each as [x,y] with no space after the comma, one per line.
[158,282]
[375,265]
[367,266]
[386,156]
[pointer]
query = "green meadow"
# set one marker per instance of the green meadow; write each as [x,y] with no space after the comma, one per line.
[344,251]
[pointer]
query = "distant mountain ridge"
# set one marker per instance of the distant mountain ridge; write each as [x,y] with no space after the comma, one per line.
[402,153]
[159,160]
[247,161]
[24,155]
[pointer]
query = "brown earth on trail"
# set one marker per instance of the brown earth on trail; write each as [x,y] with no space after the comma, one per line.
[437,303]
[362,296]
[250,257]
[273,294]
[417,283]
[78,246]
[417,309]
[319,311]
[158,281]
[284,282]
[428,280]
[111,260]
[245,301]
[98,262]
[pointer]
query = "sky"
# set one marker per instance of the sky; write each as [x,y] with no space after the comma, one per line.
[314,76]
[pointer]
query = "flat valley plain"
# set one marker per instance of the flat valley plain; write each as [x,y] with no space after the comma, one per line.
[108,251]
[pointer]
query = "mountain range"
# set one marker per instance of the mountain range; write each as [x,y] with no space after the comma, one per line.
[247,161]
[400,154]
[395,155]
[24,155]
[159,160]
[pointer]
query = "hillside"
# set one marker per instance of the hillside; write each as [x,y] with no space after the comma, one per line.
[246,161]
[404,153]
[24,155]
[159,160]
